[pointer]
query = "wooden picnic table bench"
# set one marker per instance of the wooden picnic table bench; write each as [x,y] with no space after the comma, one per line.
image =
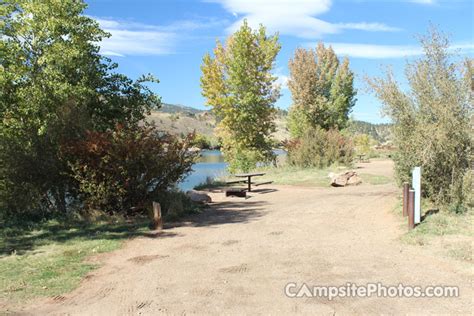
[249,178]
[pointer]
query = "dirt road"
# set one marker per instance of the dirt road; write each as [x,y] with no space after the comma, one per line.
[237,258]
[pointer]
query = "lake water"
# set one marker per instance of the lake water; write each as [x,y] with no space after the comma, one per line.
[211,164]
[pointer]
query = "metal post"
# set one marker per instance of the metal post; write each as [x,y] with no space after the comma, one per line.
[406,187]
[249,183]
[411,209]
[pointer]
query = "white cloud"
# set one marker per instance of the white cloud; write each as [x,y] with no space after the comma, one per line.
[282,81]
[423,1]
[371,27]
[374,51]
[292,17]
[109,53]
[128,38]
[132,38]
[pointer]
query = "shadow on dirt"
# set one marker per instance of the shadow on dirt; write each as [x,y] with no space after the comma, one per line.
[22,239]
[238,210]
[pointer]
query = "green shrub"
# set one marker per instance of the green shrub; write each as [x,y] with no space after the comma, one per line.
[121,171]
[320,148]
[431,122]
[202,141]
[174,204]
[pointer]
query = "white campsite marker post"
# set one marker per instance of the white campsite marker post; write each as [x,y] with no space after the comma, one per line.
[416,184]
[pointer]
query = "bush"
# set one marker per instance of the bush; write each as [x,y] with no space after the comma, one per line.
[123,170]
[431,122]
[175,204]
[320,148]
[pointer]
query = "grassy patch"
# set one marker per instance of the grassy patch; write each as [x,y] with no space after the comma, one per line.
[442,223]
[452,233]
[298,176]
[287,175]
[374,179]
[49,259]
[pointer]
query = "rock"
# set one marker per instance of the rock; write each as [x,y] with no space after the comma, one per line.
[354,180]
[344,179]
[198,196]
[194,149]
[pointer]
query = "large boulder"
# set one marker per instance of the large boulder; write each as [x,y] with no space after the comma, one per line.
[346,178]
[199,196]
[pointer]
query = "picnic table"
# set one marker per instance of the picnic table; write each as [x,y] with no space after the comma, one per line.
[249,178]
[361,157]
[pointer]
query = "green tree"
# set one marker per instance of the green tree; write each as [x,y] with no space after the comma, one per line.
[239,86]
[322,90]
[54,85]
[431,121]
[362,143]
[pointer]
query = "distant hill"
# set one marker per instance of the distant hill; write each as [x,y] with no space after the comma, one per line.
[177,108]
[180,119]
[379,132]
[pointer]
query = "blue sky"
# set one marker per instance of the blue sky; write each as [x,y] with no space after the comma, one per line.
[168,38]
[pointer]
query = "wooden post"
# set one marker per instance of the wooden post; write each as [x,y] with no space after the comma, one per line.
[406,187]
[249,183]
[157,220]
[411,209]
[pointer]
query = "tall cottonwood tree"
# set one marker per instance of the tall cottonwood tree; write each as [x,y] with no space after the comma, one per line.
[431,121]
[239,86]
[322,90]
[54,84]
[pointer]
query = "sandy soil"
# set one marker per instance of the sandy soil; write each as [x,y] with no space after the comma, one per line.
[237,258]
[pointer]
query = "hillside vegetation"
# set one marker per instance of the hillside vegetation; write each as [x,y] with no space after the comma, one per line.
[181,119]
[379,132]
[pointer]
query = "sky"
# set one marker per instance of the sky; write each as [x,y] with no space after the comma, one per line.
[168,38]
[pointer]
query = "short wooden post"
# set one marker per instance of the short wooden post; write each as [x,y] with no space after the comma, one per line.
[406,187]
[411,209]
[250,183]
[157,219]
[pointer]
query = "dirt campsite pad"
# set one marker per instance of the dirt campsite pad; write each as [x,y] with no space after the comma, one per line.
[237,258]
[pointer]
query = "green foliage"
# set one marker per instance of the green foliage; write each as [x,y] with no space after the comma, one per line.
[123,170]
[320,148]
[297,122]
[54,85]
[239,86]
[362,143]
[202,141]
[431,121]
[175,204]
[322,90]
